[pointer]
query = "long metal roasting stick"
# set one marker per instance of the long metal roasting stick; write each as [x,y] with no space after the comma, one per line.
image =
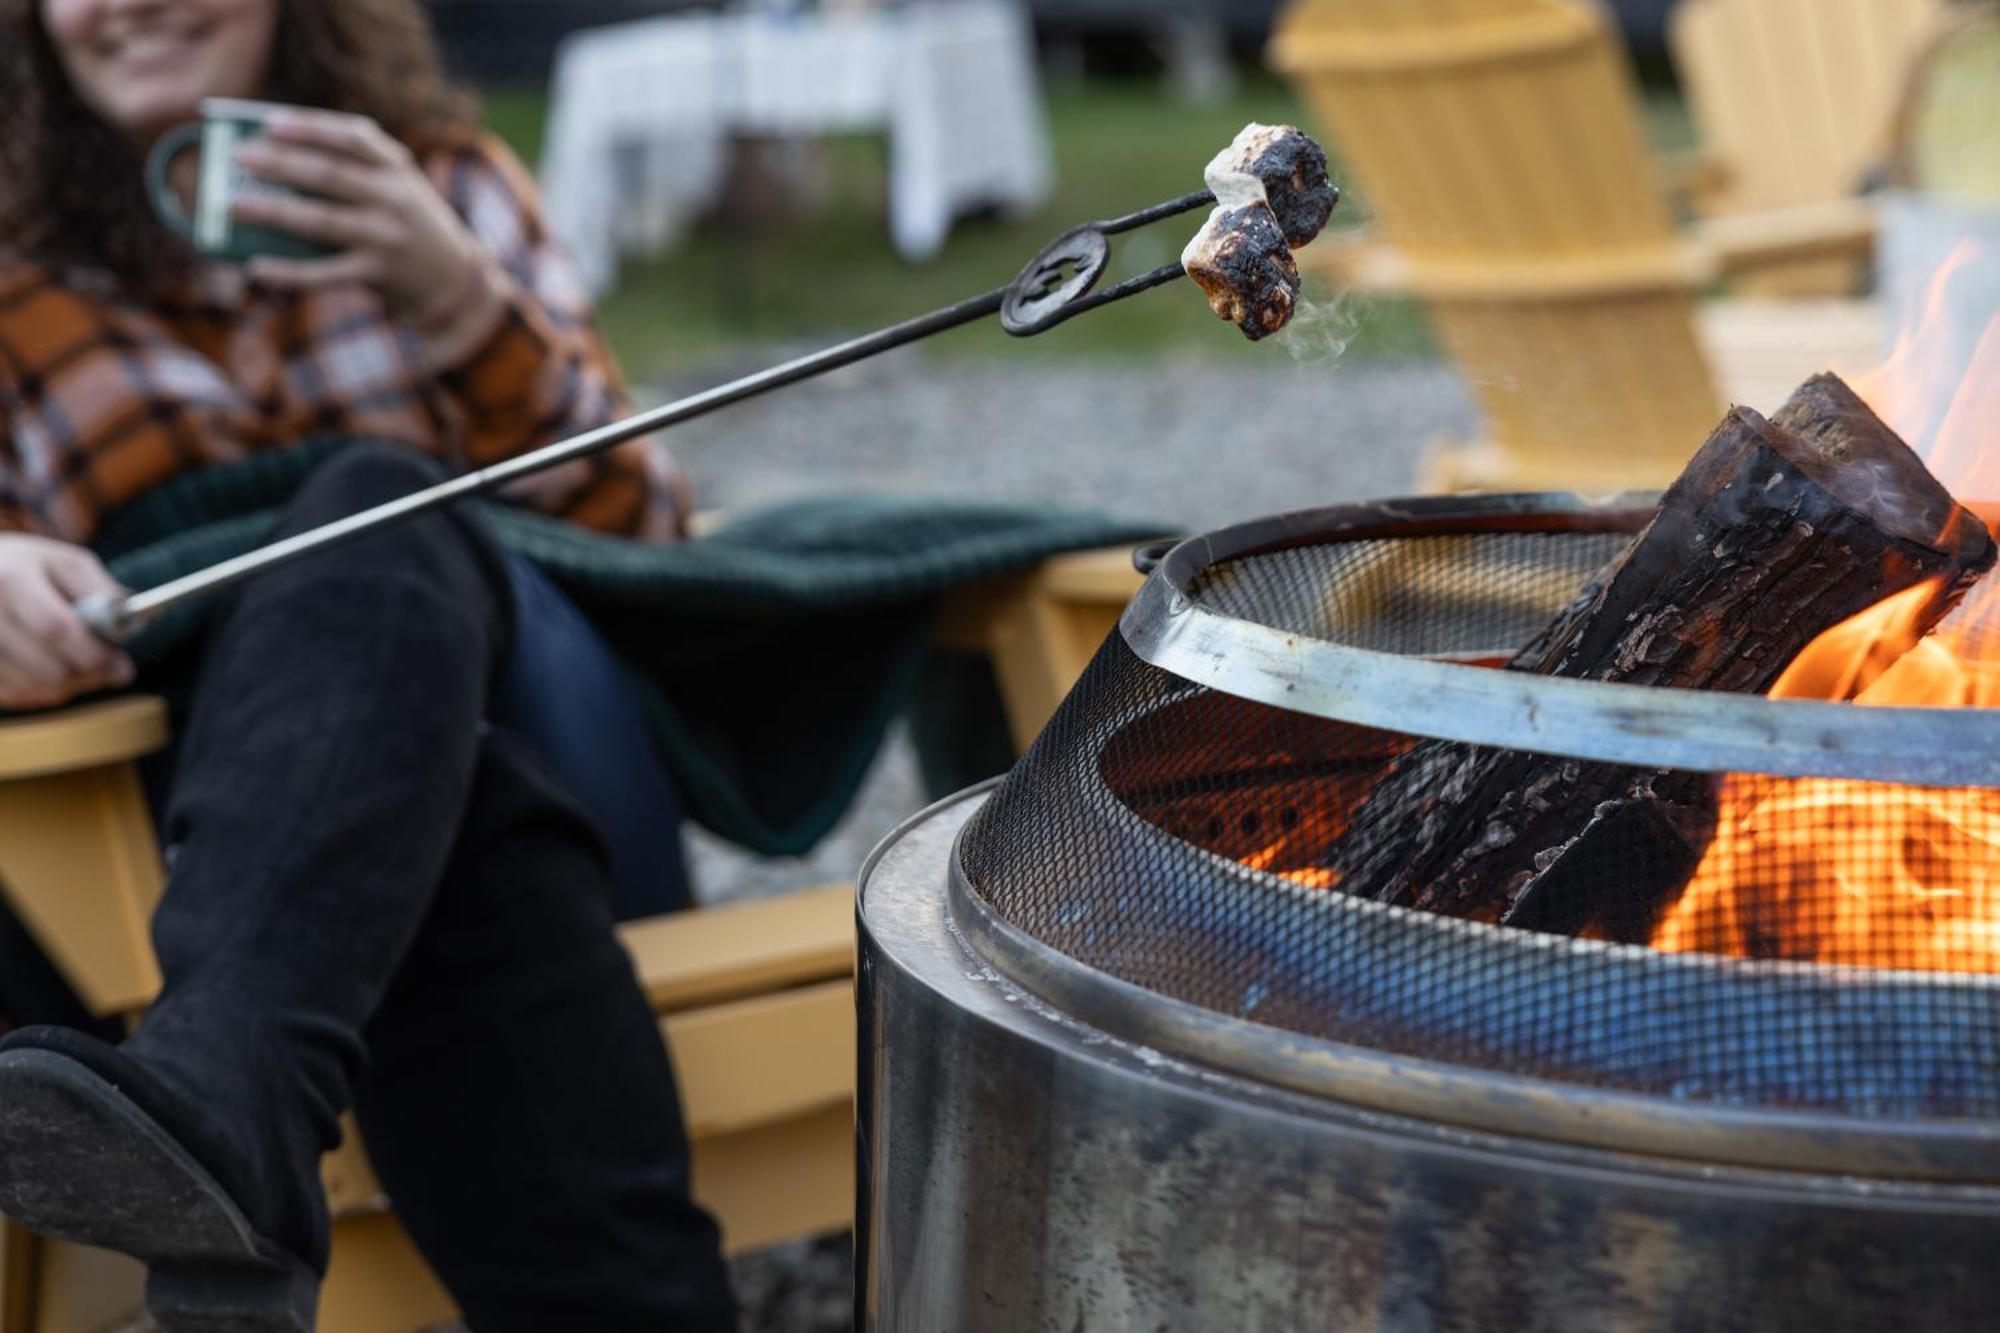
[1053,288]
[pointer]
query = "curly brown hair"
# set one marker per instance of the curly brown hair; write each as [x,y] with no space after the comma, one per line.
[71,187]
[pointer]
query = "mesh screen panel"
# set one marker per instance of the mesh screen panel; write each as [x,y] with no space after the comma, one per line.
[1480,594]
[1828,945]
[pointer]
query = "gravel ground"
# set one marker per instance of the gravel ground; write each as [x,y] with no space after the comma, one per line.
[1186,442]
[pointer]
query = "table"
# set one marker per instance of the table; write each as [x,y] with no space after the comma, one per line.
[642,114]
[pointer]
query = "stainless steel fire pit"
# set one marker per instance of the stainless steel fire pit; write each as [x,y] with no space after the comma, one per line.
[1127,1064]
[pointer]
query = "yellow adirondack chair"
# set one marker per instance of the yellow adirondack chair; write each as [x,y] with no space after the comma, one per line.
[1499,147]
[755,1001]
[1795,101]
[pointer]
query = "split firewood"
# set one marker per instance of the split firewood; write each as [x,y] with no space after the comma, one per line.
[1273,196]
[1777,531]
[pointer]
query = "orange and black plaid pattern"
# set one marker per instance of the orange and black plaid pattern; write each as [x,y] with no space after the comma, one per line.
[102,398]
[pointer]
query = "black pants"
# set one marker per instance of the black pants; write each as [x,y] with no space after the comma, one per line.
[376,897]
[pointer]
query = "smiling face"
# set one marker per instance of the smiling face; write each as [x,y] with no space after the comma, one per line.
[145,65]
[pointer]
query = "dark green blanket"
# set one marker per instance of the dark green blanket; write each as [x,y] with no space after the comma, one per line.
[773,654]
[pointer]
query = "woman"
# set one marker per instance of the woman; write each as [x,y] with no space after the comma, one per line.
[378,895]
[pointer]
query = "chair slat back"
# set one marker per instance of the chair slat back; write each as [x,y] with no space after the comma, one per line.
[1499,148]
[1485,126]
[1795,99]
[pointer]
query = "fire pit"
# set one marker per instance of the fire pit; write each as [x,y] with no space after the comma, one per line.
[1132,1058]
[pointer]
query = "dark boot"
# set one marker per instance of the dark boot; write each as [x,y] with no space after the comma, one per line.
[96,1148]
[318,793]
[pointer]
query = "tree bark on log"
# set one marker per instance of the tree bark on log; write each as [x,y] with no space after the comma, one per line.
[1777,531]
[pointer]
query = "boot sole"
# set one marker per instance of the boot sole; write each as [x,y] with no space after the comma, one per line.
[80,1161]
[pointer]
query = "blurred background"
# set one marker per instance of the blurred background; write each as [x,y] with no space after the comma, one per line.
[1540,195]
[1571,233]
[1136,96]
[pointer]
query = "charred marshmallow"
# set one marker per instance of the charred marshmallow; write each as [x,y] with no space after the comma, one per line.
[1272,195]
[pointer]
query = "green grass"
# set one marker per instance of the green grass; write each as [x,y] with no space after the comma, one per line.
[518,116]
[831,271]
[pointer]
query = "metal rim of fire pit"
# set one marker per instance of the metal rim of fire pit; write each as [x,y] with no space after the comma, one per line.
[1167,627]
[1964,1152]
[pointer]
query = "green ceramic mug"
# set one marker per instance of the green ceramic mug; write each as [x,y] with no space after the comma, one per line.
[211,227]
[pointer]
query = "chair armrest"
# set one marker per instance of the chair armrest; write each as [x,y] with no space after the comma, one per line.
[717,954]
[1092,576]
[89,736]
[1359,264]
[770,1058]
[1742,243]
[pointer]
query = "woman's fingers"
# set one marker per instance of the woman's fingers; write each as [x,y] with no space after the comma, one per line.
[338,131]
[19,691]
[299,274]
[17,694]
[341,225]
[363,192]
[48,620]
[34,675]
[26,661]
[311,168]
[47,654]
[78,575]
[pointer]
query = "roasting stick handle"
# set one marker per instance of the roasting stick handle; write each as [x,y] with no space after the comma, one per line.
[116,619]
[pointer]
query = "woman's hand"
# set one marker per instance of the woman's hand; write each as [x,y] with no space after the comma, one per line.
[48,655]
[371,201]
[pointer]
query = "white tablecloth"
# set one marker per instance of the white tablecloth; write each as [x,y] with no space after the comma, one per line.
[641,114]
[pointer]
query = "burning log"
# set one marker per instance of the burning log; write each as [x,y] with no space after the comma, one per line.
[1777,531]
[1273,196]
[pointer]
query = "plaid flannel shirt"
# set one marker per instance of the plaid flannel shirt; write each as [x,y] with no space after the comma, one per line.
[102,398]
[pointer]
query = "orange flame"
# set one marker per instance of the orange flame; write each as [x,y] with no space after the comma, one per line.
[1857,653]
[1865,873]
[1913,390]
[1313,877]
[1829,871]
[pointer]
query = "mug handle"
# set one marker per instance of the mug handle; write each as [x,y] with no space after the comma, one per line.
[165,202]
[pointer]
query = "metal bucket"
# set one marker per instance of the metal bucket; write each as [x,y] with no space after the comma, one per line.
[1043,1146]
